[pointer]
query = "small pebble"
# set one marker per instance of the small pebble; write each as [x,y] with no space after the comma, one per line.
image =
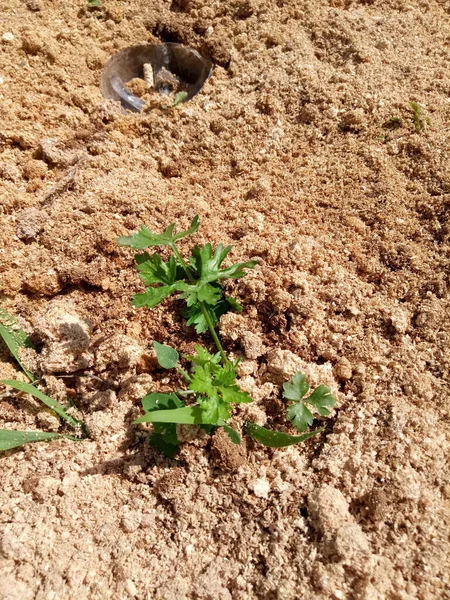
[7,36]
[260,487]
[130,587]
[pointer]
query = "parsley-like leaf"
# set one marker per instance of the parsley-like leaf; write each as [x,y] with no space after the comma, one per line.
[297,389]
[195,316]
[146,238]
[208,264]
[152,269]
[204,357]
[321,399]
[153,296]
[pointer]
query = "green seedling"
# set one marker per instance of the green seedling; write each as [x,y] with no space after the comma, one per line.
[421,121]
[211,389]
[321,400]
[197,281]
[393,123]
[94,3]
[15,338]
[179,97]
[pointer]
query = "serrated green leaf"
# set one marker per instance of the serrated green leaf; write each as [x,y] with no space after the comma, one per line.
[15,338]
[276,439]
[152,269]
[203,357]
[196,318]
[53,404]
[297,389]
[202,380]
[210,406]
[207,264]
[13,439]
[322,400]
[234,395]
[146,238]
[225,375]
[167,357]
[153,296]
[188,415]
[300,415]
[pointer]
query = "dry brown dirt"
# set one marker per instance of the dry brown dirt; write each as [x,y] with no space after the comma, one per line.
[290,154]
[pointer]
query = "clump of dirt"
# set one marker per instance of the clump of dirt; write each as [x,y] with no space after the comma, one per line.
[290,154]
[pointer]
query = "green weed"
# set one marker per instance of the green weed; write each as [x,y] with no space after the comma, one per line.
[15,338]
[421,121]
[211,389]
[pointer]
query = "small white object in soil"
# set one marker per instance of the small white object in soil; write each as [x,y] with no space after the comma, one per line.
[130,587]
[148,76]
[7,36]
[260,487]
[2,80]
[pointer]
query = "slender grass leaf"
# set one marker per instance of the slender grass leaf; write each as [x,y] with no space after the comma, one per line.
[13,439]
[158,401]
[167,357]
[232,433]
[188,415]
[276,439]
[15,337]
[53,404]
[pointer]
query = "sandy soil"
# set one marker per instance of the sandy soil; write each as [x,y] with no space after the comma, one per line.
[290,154]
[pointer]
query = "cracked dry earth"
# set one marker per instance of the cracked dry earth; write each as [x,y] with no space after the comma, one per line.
[301,151]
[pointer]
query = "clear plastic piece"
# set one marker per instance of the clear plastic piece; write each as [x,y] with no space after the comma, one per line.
[176,68]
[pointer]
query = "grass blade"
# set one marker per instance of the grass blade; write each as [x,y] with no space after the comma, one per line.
[13,439]
[53,404]
[15,338]
[188,415]
[276,439]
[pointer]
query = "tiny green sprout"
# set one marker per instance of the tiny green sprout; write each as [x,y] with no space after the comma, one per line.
[393,123]
[420,120]
[321,400]
[179,97]
[94,3]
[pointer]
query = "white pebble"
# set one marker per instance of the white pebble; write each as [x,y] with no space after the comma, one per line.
[8,36]
[130,587]
[260,487]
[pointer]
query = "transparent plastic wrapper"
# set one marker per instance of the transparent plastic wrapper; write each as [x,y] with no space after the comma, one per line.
[168,68]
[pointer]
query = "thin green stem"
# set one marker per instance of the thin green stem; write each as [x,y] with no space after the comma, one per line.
[213,332]
[183,264]
[184,374]
[205,310]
